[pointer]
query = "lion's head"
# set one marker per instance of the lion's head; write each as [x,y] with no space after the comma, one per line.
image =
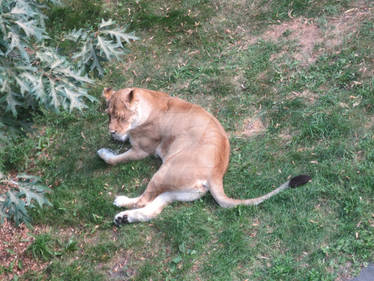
[121,110]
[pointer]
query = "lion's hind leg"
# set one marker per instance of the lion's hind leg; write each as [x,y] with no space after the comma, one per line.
[151,210]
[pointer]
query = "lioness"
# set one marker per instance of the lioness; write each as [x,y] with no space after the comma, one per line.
[192,144]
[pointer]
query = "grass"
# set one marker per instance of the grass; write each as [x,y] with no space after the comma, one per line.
[318,118]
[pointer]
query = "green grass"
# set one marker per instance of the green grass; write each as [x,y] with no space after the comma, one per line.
[42,247]
[318,118]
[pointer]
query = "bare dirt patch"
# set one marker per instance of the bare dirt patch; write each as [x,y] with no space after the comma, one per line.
[370,123]
[121,267]
[310,38]
[342,27]
[252,126]
[124,265]
[14,258]
[301,30]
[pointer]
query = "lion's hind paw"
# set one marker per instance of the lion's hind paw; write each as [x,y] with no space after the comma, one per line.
[121,219]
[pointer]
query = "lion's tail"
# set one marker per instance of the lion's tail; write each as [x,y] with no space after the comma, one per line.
[216,189]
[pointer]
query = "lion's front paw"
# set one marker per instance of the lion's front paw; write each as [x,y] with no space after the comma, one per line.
[121,201]
[106,154]
[121,218]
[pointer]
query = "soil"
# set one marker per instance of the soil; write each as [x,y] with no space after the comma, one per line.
[15,260]
[251,127]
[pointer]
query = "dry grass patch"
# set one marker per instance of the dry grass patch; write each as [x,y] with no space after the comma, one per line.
[308,96]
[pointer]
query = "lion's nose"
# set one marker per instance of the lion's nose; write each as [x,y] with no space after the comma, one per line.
[112,133]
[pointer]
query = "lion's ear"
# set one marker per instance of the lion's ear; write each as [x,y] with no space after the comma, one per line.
[107,93]
[130,96]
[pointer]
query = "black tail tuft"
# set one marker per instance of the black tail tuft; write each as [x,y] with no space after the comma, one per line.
[299,180]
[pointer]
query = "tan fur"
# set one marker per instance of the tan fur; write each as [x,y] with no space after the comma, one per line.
[192,144]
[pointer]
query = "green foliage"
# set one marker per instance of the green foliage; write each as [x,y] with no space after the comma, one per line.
[21,194]
[33,74]
[21,24]
[42,247]
[104,44]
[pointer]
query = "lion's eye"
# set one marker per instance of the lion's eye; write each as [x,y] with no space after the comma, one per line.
[120,117]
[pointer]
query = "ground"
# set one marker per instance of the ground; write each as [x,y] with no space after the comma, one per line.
[15,260]
[291,82]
